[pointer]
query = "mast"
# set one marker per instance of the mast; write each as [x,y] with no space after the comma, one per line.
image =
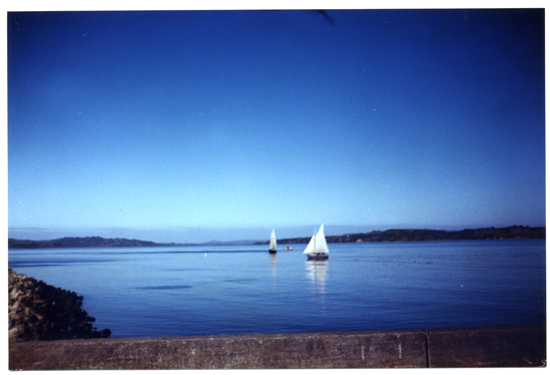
[314,242]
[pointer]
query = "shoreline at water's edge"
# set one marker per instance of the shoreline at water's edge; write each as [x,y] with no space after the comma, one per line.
[516,232]
[507,346]
[77,242]
[391,235]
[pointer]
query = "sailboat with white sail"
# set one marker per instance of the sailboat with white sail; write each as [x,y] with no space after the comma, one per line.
[273,242]
[317,248]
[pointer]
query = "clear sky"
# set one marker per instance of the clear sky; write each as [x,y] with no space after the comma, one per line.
[186,125]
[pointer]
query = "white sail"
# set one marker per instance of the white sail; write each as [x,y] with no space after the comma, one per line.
[310,246]
[273,241]
[318,243]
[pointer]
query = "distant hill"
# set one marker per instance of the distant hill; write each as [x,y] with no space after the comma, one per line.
[396,235]
[105,242]
[82,242]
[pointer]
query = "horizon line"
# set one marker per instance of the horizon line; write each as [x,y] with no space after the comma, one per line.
[252,239]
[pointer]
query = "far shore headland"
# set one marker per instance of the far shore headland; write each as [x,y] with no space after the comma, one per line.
[391,235]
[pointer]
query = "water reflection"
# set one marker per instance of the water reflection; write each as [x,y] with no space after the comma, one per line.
[273,261]
[317,272]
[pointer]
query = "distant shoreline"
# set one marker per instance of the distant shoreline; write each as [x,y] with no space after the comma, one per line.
[391,235]
[410,235]
[69,242]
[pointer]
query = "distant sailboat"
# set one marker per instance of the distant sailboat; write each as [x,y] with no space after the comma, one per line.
[273,242]
[317,247]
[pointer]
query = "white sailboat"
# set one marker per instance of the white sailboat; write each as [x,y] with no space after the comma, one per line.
[273,242]
[317,247]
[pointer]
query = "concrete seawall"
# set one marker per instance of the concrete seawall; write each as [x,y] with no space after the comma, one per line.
[517,346]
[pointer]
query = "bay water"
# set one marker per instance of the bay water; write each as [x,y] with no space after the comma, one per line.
[198,290]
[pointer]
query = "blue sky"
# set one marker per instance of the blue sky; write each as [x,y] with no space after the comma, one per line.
[192,126]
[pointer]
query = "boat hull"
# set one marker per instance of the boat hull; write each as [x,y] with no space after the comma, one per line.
[272,251]
[320,256]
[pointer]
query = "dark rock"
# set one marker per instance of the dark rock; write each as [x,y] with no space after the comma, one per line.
[38,311]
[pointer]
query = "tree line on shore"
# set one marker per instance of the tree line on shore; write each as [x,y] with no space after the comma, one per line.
[397,235]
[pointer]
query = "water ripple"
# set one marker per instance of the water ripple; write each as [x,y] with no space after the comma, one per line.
[239,280]
[164,287]
[57,263]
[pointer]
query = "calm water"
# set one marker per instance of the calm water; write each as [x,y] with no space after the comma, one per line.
[181,291]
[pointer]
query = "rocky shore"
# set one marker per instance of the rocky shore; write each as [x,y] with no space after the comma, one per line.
[38,311]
